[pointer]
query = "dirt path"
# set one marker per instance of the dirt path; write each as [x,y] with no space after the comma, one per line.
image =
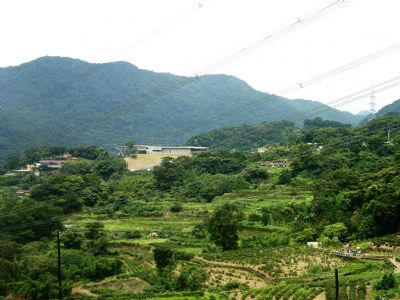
[321,296]
[396,264]
[79,290]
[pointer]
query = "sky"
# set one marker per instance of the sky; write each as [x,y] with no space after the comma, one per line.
[197,37]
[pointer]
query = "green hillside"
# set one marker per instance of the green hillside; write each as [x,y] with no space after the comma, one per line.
[391,108]
[216,225]
[245,137]
[250,137]
[64,101]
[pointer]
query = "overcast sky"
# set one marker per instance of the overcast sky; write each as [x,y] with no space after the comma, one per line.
[180,37]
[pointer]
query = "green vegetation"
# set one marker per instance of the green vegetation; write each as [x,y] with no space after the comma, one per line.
[245,137]
[218,225]
[248,137]
[223,226]
[69,102]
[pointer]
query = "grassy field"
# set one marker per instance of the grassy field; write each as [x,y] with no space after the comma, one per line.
[147,161]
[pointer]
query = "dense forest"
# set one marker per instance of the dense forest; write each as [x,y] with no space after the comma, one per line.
[63,101]
[217,225]
[250,137]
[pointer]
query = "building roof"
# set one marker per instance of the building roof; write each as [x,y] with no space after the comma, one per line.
[172,147]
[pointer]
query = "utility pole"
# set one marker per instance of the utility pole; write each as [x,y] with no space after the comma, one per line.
[337,284]
[389,139]
[59,266]
[372,109]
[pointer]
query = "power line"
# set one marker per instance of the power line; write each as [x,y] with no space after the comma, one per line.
[361,94]
[344,100]
[97,67]
[331,105]
[295,25]
[316,79]
[178,83]
[351,65]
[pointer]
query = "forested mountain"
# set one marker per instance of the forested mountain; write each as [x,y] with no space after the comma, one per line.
[391,108]
[55,100]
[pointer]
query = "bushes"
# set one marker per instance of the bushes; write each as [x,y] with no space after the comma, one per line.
[179,255]
[387,282]
[162,256]
[211,186]
[192,278]
[77,265]
[176,207]
[334,234]
[316,269]
[272,240]
[144,209]
[285,177]
[72,240]
[254,218]
[255,175]
[132,235]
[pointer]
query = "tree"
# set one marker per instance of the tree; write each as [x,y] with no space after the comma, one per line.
[39,214]
[107,166]
[223,226]
[387,282]
[255,175]
[163,256]
[168,173]
[335,232]
[210,186]
[285,176]
[101,152]
[192,278]
[72,240]
[131,149]
[81,167]
[94,230]
[318,122]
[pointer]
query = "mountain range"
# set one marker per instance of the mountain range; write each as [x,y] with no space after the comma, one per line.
[64,101]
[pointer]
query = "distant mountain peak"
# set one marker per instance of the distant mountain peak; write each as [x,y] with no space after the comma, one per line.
[68,101]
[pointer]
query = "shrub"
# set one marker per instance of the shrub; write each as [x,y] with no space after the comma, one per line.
[176,207]
[334,233]
[162,256]
[72,240]
[255,175]
[199,231]
[178,255]
[192,278]
[387,282]
[132,235]
[232,285]
[285,177]
[316,269]
[94,230]
[254,218]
